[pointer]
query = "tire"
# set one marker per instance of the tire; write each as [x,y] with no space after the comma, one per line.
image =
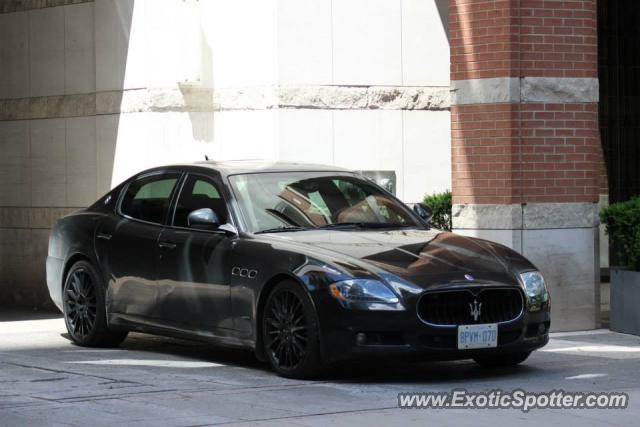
[502,360]
[290,336]
[84,308]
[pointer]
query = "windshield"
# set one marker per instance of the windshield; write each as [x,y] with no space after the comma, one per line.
[280,201]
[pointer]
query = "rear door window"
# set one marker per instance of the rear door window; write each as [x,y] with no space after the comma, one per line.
[148,198]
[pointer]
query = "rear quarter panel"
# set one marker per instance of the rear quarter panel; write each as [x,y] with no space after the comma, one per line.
[71,239]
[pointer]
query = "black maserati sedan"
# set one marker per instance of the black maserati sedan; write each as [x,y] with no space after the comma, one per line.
[306,265]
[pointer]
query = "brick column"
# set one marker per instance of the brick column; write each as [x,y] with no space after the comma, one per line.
[526,152]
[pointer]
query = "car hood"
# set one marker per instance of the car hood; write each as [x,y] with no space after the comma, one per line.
[419,256]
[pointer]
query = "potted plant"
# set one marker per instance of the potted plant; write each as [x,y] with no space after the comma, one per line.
[622,222]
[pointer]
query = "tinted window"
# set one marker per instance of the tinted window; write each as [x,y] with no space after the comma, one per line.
[199,192]
[148,198]
[314,200]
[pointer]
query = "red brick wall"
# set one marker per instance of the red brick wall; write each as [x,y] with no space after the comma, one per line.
[483,35]
[518,153]
[513,38]
[484,153]
[560,152]
[558,38]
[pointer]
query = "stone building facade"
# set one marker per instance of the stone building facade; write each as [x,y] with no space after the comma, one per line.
[94,91]
[494,99]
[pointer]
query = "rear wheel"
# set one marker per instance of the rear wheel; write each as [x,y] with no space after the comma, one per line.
[290,332]
[502,360]
[84,308]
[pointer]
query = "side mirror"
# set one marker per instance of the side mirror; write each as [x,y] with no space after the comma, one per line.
[203,218]
[423,211]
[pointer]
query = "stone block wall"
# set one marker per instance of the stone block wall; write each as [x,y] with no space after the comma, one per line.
[94,91]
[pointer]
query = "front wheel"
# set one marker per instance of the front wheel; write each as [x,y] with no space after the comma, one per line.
[290,332]
[502,360]
[84,308]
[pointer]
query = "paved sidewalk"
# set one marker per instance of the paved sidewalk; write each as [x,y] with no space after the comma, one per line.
[45,380]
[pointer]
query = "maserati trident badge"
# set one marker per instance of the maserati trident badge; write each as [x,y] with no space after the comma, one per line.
[475,310]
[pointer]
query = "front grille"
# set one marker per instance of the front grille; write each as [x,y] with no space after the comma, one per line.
[493,305]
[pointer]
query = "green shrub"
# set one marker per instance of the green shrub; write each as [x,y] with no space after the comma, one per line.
[622,222]
[440,203]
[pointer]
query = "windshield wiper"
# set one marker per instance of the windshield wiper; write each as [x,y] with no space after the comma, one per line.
[365,225]
[281,229]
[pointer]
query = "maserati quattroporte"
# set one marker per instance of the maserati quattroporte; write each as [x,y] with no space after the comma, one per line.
[306,265]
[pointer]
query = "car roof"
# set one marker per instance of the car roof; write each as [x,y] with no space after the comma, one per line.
[232,167]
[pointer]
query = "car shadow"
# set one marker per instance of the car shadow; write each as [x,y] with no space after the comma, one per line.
[433,372]
[11,314]
[186,349]
[367,371]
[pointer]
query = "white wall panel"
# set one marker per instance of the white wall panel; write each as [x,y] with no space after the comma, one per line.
[427,153]
[304,42]
[81,161]
[15,171]
[246,134]
[14,55]
[242,37]
[46,48]
[425,44]
[367,42]
[48,162]
[79,52]
[305,136]
[121,60]
[106,139]
[369,140]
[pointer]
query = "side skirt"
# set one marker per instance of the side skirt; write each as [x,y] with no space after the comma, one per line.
[222,337]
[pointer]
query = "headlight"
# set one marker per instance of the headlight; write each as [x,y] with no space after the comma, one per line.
[363,290]
[535,288]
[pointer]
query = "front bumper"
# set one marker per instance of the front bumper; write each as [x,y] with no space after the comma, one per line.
[404,334]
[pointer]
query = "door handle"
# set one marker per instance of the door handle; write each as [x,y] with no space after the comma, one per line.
[167,245]
[104,236]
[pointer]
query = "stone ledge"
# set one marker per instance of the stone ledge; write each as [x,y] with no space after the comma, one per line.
[514,90]
[154,100]
[10,6]
[186,98]
[530,216]
[44,107]
[485,91]
[364,97]
[31,217]
[560,215]
[494,217]
[559,90]
[333,98]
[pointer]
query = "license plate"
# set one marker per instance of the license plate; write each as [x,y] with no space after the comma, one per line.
[477,336]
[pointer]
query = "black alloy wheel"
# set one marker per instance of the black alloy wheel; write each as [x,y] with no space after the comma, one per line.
[80,305]
[84,308]
[289,329]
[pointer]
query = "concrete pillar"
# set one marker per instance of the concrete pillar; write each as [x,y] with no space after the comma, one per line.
[526,152]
